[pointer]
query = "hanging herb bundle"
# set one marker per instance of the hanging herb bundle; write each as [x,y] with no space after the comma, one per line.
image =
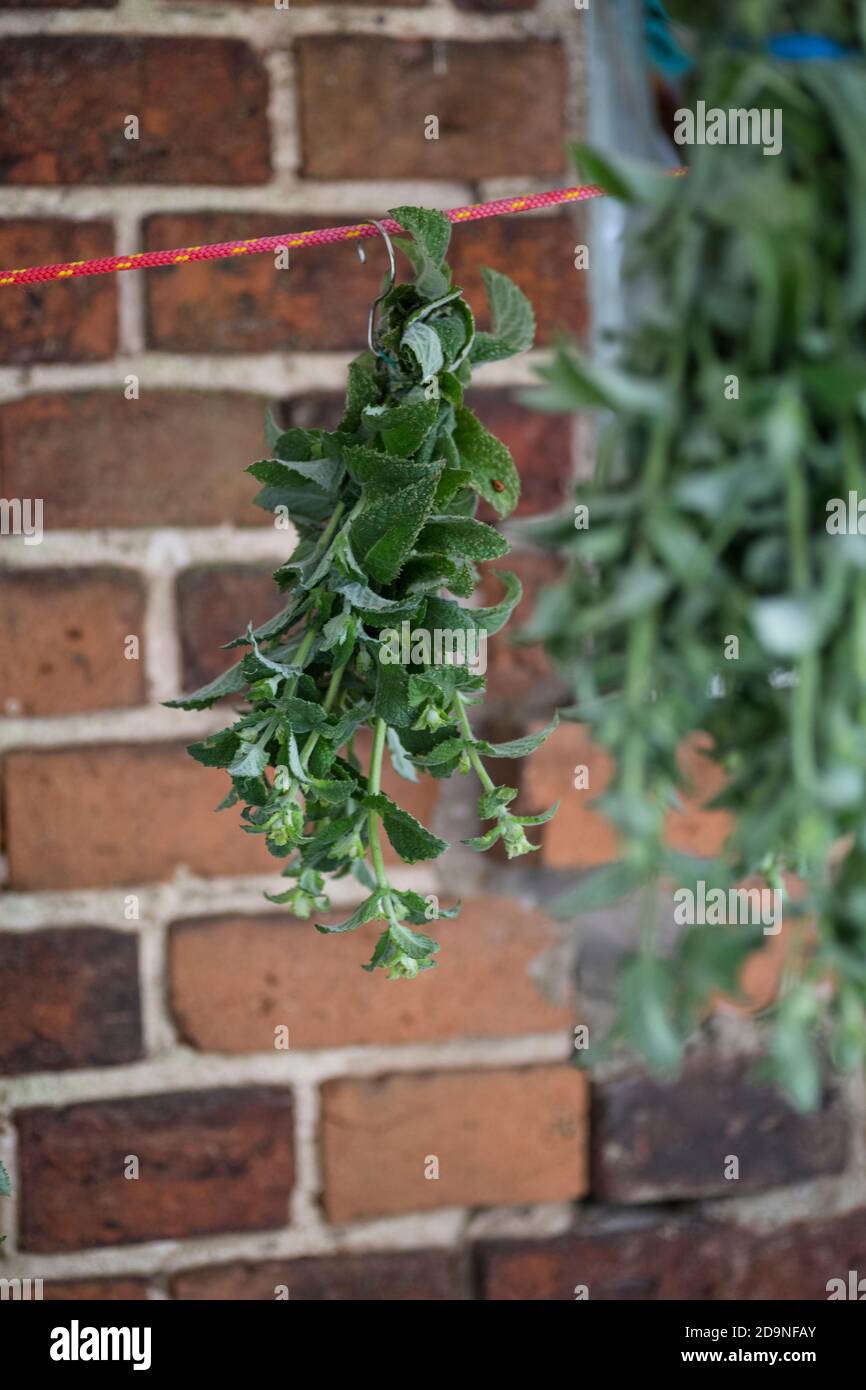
[385,510]
[717,582]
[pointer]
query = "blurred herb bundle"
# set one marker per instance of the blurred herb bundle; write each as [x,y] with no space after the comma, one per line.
[738,430]
[385,510]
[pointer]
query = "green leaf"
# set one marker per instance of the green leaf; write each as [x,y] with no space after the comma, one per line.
[622,176]
[426,348]
[431,233]
[517,747]
[491,468]
[512,318]
[415,944]
[645,993]
[229,683]
[574,381]
[492,620]
[367,911]
[403,429]
[218,750]
[409,837]
[465,536]
[251,759]
[363,390]
[386,529]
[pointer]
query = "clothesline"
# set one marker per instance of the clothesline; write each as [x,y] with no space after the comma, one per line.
[222,250]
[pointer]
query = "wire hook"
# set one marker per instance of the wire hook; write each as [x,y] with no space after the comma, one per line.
[392,276]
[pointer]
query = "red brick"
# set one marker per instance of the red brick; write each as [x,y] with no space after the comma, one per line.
[322,301]
[578,836]
[520,678]
[500,1137]
[209,1161]
[136,813]
[95,1290]
[62,638]
[694,830]
[171,458]
[500,106]
[643,1259]
[235,979]
[245,304]
[70,320]
[120,814]
[214,606]
[535,251]
[419,1275]
[68,998]
[201,104]
[655,1140]
[675,1258]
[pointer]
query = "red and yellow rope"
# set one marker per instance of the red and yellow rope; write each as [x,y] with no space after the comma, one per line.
[222,250]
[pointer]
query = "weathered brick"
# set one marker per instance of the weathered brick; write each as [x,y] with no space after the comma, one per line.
[641,1259]
[535,251]
[68,998]
[519,678]
[95,1290]
[652,1257]
[65,100]
[62,637]
[171,458]
[214,606]
[120,814]
[208,1161]
[540,445]
[656,1141]
[235,979]
[245,304]
[420,1275]
[499,1137]
[69,320]
[500,107]
[580,837]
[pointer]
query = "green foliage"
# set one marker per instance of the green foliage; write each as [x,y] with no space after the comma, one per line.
[385,510]
[738,405]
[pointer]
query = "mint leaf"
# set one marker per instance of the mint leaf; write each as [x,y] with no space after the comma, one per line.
[512,319]
[488,462]
[409,837]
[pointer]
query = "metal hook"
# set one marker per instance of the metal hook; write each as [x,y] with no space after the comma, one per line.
[392,276]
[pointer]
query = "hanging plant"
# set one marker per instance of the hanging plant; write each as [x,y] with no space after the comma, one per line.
[717,583]
[385,510]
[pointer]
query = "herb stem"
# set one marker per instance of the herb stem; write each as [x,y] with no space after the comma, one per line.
[483,775]
[374,782]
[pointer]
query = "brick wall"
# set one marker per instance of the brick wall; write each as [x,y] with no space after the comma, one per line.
[141,979]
